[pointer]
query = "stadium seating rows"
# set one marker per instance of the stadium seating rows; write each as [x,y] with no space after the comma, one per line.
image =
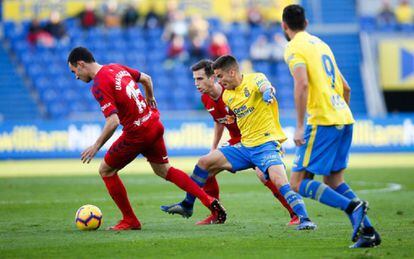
[16,102]
[64,97]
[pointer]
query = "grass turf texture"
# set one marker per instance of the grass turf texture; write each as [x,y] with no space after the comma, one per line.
[38,201]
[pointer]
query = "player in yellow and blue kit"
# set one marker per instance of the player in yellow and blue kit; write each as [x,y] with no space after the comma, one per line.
[251,98]
[323,146]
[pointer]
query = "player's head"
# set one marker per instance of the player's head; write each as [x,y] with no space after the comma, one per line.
[293,20]
[79,61]
[226,70]
[203,75]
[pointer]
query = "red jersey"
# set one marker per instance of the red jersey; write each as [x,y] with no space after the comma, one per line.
[116,90]
[222,114]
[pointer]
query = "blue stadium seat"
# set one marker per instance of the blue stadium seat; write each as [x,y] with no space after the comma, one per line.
[368,23]
[9,28]
[146,51]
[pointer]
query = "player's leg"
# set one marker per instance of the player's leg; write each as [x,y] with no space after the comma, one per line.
[231,158]
[336,180]
[214,161]
[277,175]
[317,156]
[184,182]
[275,191]
[112,163]
[369,236]
[212,187]
[207,167]
[267,158]
[157,157]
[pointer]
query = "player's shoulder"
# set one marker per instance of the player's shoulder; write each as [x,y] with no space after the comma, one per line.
[114,66]
[105,70]
[253,77]
[225,95]
[291,48]
[258,78]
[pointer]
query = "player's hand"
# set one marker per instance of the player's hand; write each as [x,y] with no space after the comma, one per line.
[152,102]
[89,153]
[268,95]
[298,137]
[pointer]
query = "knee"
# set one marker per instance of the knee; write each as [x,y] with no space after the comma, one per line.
[106,171]
[261,176]
[294,185]
[162,170]
[204,163]
[333,183]
[326,181]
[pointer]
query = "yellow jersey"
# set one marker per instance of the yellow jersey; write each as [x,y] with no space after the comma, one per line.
[257,120]
[326,104]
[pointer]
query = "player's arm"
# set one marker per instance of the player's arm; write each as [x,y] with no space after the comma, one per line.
[218,133]
[347,90]
[146,81]
[266,88]
[111,124]
[301,85]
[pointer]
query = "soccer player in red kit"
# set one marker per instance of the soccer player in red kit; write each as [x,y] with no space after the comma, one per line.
[223,118]
[115,88]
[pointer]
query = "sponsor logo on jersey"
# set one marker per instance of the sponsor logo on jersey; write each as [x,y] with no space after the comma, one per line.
[228,119]
[140,121]
[106,105]
[246,92]
[243,111]
[210,109]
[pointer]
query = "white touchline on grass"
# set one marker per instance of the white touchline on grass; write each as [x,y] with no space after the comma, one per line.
[391,187]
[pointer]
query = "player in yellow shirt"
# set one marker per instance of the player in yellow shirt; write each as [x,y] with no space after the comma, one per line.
[211,97]
[251,98]
[323,147]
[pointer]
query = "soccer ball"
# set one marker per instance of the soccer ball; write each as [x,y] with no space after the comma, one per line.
[88,217]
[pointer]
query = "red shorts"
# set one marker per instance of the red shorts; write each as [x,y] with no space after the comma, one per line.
[127,147]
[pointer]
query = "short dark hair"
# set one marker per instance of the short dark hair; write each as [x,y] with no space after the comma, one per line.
[205,64]
[294,17]
[225,62]
[80,53]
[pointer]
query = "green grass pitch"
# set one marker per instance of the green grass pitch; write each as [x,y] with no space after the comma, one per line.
[38,201]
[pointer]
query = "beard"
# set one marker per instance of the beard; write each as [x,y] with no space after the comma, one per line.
[85,79]
[286,36]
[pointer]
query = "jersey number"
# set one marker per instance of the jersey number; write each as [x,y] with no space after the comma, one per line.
[329,68]
[336,100]
[134,93]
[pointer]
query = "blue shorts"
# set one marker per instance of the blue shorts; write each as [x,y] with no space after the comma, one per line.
[263,156]
[326,149]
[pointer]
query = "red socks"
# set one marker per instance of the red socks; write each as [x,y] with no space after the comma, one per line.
[184,182]
[211,187]
[279,196]
[118,193]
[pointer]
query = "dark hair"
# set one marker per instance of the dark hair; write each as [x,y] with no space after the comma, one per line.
[80,53]
[225,62]
[205,64]
[294,17]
